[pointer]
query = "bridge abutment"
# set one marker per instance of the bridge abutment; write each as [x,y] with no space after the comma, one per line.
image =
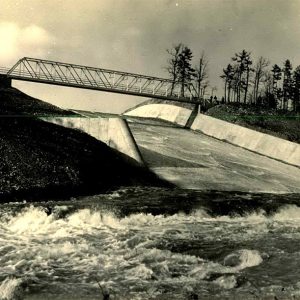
[5,81]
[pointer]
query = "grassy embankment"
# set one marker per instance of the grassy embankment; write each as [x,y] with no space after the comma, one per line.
[282,124]
[39,160]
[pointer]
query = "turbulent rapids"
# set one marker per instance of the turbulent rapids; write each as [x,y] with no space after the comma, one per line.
[129,249]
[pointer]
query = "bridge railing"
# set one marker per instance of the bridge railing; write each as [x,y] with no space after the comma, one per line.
[53,72]
[3,70]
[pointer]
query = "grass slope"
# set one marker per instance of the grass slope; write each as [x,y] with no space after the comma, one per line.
[14,103]
[277,123]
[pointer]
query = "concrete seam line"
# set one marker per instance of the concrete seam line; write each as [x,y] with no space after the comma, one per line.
[192,117]
[132,143]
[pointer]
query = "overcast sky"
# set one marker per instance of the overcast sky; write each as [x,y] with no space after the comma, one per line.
[133,35]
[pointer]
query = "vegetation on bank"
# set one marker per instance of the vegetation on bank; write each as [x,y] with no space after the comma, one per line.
[39,160]
[279,123]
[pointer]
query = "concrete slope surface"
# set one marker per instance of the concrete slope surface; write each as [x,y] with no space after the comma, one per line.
[195,161]
[114,132]
[175,114]
[262,143]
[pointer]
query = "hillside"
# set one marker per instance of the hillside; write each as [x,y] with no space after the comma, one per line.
[281,124]
[14,103]
[39,160]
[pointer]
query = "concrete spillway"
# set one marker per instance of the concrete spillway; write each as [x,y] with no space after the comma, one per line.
[261,143]
[196,161]
[191,159]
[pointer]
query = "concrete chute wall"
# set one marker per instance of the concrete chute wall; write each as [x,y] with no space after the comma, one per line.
[261,143]
[112,131]
[172,113]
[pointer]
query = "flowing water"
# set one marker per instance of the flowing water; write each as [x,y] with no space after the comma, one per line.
[152,244]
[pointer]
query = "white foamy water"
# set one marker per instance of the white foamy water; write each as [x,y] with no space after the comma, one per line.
[66,254]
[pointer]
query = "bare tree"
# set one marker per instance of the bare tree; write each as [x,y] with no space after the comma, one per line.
[213,89]
[201,73]
[173,63]
[205,85]
[260,73]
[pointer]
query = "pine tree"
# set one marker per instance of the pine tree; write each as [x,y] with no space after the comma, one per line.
[277,73]
[228,75]
[296,88]
[248,69]
[243,65]
[185,71]
[287,83]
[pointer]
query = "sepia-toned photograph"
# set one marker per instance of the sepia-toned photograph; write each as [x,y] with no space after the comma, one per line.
[149,149]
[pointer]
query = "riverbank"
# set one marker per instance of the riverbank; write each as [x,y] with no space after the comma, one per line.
[39,160]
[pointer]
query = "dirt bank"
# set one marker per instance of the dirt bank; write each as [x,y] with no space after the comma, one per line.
[39,160]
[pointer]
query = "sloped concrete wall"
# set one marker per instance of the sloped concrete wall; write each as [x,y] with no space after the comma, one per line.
[171,113]
[250,139]
[112,131]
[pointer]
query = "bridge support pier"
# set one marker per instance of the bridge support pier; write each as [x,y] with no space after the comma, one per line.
[5,81]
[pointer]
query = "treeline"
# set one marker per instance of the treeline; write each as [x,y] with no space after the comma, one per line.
[258,84]
[245,81]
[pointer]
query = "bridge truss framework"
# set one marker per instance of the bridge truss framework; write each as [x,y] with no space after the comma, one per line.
[72,75]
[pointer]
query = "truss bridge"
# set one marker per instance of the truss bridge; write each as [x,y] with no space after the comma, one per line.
[78,76]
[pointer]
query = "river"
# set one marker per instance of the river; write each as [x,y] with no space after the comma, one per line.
[152,244]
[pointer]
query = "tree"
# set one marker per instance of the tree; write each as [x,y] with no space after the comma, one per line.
[228,75]
[201,74]
[185,72]
[235,82]
[213,89]
[223,76]
[296,87]
[269,97]
[172,63]
[287,83]
[243,62]
[277,73]
[248,69]
[204,87]
[260,73]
